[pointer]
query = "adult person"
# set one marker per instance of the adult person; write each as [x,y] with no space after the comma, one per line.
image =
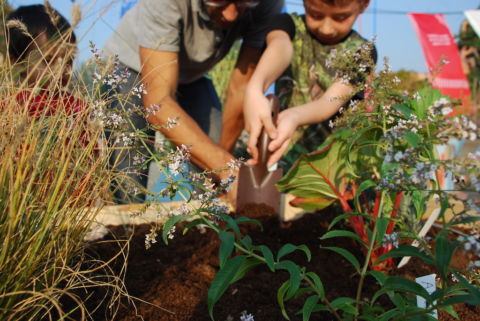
[172,44]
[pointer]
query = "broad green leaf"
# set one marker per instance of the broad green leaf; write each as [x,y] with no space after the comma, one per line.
[268,256]
[389,315]
[222,280]
[319,175]
[403,109]
[342,233]
[308,307]
[413,139]
[170,223]
[346,254]
[427,97]
[282,291]
[191,224]
[295,276]
[226,247]
[318,284]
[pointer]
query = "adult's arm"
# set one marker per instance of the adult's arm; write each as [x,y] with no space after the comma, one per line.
[233,124]
[160,75]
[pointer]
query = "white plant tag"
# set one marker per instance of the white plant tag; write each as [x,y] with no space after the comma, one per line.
[273,167]
[428,283]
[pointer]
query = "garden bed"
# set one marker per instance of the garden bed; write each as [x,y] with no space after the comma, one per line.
[174,279]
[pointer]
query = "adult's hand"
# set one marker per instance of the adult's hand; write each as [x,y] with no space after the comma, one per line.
[160,75]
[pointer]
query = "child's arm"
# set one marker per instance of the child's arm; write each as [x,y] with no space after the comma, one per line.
[256,110]
[313,112]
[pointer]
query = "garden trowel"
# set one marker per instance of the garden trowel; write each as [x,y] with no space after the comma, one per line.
[256,184]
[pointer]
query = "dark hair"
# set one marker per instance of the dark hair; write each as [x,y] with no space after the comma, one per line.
[37,19]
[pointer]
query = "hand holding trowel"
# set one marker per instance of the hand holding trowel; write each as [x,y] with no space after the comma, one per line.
[256,183]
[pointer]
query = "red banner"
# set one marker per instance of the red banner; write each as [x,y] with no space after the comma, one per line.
[442,56]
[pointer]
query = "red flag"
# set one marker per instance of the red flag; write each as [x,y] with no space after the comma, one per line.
[438,44]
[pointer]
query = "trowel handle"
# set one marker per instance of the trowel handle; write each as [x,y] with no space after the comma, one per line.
[264,140]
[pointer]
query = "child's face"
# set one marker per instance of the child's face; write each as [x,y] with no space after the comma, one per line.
[331,23]
[49,63]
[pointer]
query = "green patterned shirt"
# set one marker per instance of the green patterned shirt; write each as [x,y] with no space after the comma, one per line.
[307,79]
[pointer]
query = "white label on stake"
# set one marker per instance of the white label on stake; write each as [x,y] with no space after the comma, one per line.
[428,283]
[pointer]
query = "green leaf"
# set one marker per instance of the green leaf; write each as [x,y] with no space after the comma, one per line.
[346,254]
[405,250]
[379,276]
[311,204]
[308,307]
[305,250]
[226,247]
[230,223]
[295,276]
[282,291]
[363,187]
[403,109]
[338,218]
[191,224]
[286,249]
[427,97]
[244,220]
[443,254]
[345,304]
[382,224]
[247,265]
[389,315]
[268,256]
[406,285]
[246,241]
[170,223]
[342,233]
[222,280]
[413,139]
[450,310]
[318,284]
[314,175]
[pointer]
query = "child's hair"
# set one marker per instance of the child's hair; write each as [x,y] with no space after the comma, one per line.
[28,22]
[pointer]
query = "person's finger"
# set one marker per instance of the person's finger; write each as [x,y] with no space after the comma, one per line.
[269,127]
[252,144]
[277,142]
[277,154]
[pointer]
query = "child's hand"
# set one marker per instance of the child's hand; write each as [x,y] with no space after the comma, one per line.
[258,114]
[287,123]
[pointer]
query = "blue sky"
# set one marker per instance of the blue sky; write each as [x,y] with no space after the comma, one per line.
[395,35]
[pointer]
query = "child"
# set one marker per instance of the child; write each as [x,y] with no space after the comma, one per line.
[41,46]
[308,86]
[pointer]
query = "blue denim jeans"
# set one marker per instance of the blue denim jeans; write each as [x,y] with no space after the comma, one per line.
[199,99]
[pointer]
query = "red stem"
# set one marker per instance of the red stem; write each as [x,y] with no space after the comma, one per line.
[355,221]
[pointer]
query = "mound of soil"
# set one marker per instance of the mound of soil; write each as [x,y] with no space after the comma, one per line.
[171,281]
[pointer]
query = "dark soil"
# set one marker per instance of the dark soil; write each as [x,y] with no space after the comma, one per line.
[172,281]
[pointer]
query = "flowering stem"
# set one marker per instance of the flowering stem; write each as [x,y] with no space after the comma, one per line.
[363,273]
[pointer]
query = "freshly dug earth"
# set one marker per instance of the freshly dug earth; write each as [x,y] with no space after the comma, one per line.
[172,280]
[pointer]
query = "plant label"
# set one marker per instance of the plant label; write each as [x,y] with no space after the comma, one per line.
[428,283]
